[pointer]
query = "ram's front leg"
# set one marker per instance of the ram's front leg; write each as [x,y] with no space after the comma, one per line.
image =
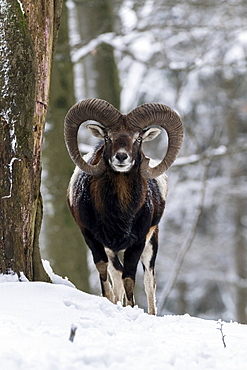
[101,262]
[104,281]
[131,259]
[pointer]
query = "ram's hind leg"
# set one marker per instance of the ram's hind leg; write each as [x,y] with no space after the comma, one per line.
[115,269]
[148,261]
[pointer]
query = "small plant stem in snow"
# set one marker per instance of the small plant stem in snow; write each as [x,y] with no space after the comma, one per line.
[222,335]
[72,332]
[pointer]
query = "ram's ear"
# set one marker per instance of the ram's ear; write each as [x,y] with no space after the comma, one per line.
[96,130]
[151,133]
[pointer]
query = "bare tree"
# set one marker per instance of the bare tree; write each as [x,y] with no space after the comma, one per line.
[28,35]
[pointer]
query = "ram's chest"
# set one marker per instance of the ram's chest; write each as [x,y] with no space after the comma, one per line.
[110,210]
[117,192]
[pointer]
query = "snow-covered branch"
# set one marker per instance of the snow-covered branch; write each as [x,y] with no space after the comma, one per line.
[211,154]
[88,48]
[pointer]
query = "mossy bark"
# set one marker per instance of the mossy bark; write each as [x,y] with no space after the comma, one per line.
[27,43]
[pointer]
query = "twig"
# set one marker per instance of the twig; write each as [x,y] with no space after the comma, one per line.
[72,332]
[222,335]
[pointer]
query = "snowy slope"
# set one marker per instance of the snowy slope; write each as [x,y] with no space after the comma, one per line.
[35,322]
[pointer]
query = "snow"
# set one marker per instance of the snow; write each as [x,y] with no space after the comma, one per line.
[10,165]
[234,55]
[21,6]
[128,17]
[143,47]
[36,320]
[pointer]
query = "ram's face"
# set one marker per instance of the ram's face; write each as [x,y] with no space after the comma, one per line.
[123,147]
[122,150]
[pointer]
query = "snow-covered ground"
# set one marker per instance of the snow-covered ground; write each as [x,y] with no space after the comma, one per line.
[36,320]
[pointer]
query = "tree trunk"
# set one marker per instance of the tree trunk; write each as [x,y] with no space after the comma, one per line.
[240,258]
[101,79]
[27,40]
[64,245]
[238,210]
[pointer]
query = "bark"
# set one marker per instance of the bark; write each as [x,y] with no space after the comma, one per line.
[28,39]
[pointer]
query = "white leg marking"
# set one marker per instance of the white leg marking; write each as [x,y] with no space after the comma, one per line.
[105,284]
[149,279]
[117,283]
[116,277]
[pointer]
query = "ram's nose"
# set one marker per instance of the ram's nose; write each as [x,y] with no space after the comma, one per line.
[121,161]
[121,157]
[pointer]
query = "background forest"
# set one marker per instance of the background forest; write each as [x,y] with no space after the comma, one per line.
[190,55]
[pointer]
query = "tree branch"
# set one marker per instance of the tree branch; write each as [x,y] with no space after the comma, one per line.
[211,154]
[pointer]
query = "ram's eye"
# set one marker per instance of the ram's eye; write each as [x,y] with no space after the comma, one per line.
[106,138]
[139,139]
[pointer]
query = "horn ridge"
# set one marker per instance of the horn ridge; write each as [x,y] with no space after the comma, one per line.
[156,114]
[90,109]
[93,109]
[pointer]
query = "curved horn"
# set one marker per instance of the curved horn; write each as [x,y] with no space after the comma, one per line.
[154,114]
[89,109]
